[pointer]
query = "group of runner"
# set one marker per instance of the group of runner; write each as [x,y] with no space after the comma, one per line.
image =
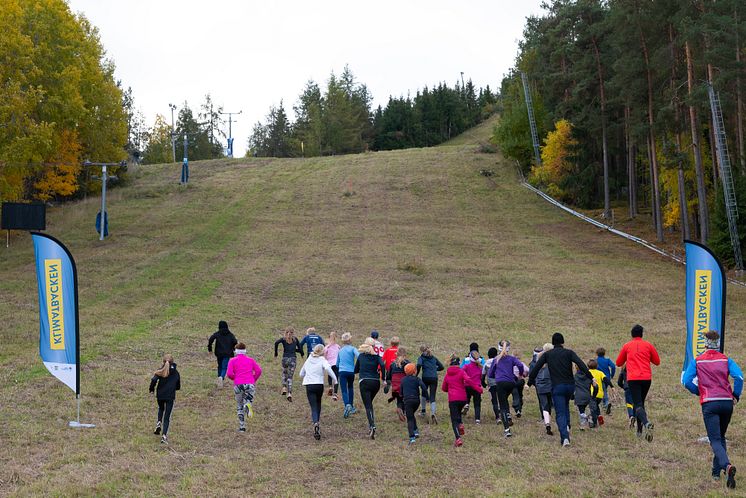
[413,384]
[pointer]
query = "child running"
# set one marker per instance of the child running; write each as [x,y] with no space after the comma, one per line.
[310,340]
[583,386]
[543,384]
[290,348]
[455,383]
[394,375]
[312,374]
[225,342]
[608,367]
[473,368]
[168,381]
[389,356]
[489,383]
[622,382]
[346,360]
[429,365]
[601,386]
[411,388]
[503,373]
[244,371]
[370,368]
[331,351]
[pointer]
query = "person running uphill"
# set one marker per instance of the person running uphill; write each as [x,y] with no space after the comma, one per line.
[502,375]
[346,360]
[310,340]
[225,342]
[637,355]
[544,390]
[290,348]
[389,356]
[370,368]
[168,381]
[411,389]
[606,366]
[711,370]
[429,365]
[473,368]
[559,361]
[331,351]
[244,371]
[455,383]
[312,374]
[394,375]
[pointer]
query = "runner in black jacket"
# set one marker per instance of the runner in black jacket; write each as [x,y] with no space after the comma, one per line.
[559,361]
[411,388]
[371,370]
[168,380]
[225,342]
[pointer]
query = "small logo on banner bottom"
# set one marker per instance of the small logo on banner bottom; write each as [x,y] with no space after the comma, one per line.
[702,294]
[55,308]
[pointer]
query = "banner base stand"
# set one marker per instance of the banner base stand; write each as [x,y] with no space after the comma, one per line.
[77,425]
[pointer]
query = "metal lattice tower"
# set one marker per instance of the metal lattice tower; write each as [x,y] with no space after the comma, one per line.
[531,120]
[726,175]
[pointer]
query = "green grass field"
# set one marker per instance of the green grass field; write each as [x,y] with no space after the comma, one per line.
[267,243]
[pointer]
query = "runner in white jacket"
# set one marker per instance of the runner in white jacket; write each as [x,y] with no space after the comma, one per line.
[313,373]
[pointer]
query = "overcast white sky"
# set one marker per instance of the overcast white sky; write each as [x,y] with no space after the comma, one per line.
[249,55]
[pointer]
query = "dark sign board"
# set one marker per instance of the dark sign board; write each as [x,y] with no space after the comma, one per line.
[21,216]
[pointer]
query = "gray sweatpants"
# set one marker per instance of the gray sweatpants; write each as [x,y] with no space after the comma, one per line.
[244,396]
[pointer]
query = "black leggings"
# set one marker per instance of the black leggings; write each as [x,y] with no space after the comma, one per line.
[164,413]
[432,388]
[410,407]
[639,391]
[335,369]
[518,395]
[368,390]
[504,389]
[495,403]
[455,408]
[315,392]
[474,397]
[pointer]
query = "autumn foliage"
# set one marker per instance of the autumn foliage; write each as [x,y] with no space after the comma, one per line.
[557,164]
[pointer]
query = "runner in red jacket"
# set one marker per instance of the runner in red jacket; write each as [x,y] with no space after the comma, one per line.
[638,354]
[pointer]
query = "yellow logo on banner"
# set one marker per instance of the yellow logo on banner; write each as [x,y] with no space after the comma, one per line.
[55,310]
[702,290]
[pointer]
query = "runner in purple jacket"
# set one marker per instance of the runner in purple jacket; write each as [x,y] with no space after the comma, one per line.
[501,373]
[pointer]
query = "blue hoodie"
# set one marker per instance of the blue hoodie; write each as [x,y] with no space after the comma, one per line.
[310,340]
[606,366]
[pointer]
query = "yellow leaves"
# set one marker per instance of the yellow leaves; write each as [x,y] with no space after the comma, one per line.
[60,178]
[556,158]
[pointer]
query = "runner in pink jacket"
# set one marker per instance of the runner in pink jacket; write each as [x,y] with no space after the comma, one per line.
[455,383]
[244,371]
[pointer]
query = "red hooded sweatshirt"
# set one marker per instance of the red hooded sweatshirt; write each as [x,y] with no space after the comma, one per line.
[455,382]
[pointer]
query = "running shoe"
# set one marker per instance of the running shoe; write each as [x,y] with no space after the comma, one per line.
[715,477]
[372,433]
[416,434]
[353,410]
[730,473]
[248,410]
[648,432]
[284,391]
[348,410]
[549,430]
[459,443]
[608,409]
[477,421]
[461,429]
[632,421]
[422,413]
[412,440]
[164,439]
[600,420]
[242,429]
[335,397]
[433,420]
[517,414]
[510,421]
[157,428]
[290,397]
[507,432]
[565,443]
[465,410]
[330,391]
[316,432]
